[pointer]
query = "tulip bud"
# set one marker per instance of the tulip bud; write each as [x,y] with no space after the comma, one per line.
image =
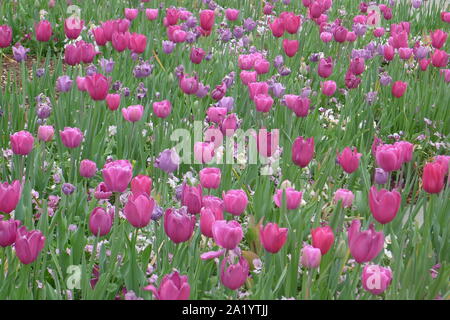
[302,151]
[117,175]
[322,238]
[433,177]
[100,222]
[272,237]
[344,195]
[310,257]
[88,168]
[376,279]
[227,234]
[141,184]
[364,245]
[21,142]
[179,224]
[28,244]
[235,201]
[293,198]
[139,209]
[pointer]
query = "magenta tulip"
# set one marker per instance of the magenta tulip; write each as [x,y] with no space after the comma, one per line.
[117,175]
[28,244]
[100,221]
[364,245]
[384,204]
[21,142]
[272,237]
[139,209]
[179,224]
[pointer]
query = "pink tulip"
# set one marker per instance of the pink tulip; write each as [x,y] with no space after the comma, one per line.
[216,114]
[262,66]
[73,27]
[152,14]
[28,244]
[206,19]
[406,150]
[263,102]
[302,151]
[133,113]
[102,192]
[72,55]
[322,238]
[45,133]
[99,36]
[179,224]
[5,36]
[388,52]
[88,168]
[235,201]
[290,47]
[188,85]
[234,276]
[438,38]
[293,198]
[376,279]
[325,68]
[203,152]
[229,125]
[256,88]
[248,77]
[97,85]
[172,16]
[433,177]
[349,159]
[191,197]
[113,101]
[357,66]
[21,142]
[389,157]
[364,245]
[272,237]
[197,55]
[138,43]
[344,195]
[120,41]
[81,83]
[209,215]
[172,287]
[117,175]
[310,257]
[232,14]
[326,36]
[141,184]
[277,27]
[298,104]
[9,196]
[291,21]
[71,137]
[43,31]
[100,222]
[328,87]
[139,209]
[210,178]
[439,58]
[227,234]
[340,34]
[384,204]
[8,231]
[131,13]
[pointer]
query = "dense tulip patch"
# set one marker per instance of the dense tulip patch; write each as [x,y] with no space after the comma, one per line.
[238,149]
